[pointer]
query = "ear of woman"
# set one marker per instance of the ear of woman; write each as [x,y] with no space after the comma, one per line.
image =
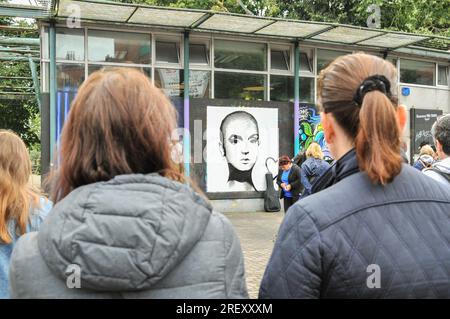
[328,128]
[401,117]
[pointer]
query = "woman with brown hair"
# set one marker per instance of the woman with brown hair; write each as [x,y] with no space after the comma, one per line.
[22,208]
[288,179]
[374,227]
[126,222]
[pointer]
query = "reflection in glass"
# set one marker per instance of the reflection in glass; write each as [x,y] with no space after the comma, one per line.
[172,82]
[199,54]
[443,75]
[240,55]
[282,89]
[325,57]
[167,52]
[70,44]
[239,86]
[69,76]
[123,47]
[307,62]
[280,60]
[417,72]
[95,67]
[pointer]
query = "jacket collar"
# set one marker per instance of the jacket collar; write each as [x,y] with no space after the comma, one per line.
[347,165]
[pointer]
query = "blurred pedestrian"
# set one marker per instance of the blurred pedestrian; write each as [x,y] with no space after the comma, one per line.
[425,159]
[314,167]
[440,170]
[288,180]
[22,207]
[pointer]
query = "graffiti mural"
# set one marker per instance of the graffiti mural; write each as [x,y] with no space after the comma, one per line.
[310,128]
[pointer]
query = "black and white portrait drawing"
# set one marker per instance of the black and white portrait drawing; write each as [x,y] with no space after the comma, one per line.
[239,140]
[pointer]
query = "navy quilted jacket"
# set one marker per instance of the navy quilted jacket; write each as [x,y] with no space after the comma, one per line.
[359,240]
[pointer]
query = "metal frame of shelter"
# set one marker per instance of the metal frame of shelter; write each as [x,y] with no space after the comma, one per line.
[189,20]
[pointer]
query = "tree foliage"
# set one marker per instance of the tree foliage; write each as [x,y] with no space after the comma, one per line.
[417,16]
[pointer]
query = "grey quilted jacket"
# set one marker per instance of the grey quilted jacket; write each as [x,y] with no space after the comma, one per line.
[135,236]
[359,240]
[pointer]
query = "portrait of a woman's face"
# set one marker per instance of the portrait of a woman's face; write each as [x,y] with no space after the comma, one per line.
[239,140]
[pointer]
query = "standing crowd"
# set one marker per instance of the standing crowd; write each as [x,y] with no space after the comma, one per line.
[123,213]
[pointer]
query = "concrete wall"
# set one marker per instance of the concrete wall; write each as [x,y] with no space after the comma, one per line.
[424,98]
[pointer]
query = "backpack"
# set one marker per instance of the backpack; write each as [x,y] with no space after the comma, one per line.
[443,174]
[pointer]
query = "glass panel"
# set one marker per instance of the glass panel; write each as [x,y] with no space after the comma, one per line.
[69,76]
[124,47]
[240,55]
[44,44]
[172,82]
[239,86]
[199,54]
[199,84]
[443,75]
[307,90]
[70,44]
[282,89]
[92,68]
[167,52]
[325,57]
[307,62]
[280,60]
[417,72]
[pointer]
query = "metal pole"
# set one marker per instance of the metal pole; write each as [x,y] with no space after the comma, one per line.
[53,88]
[186,135]
[296,97]
[36,84]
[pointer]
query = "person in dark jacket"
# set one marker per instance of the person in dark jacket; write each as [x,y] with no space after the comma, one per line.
[127,223]
[374,227]
[288,180]
[314,167]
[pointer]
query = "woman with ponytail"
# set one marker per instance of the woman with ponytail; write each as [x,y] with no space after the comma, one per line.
[22,208]
[374,226]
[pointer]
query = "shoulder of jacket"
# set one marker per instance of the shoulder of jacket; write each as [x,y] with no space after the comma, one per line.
[219,227]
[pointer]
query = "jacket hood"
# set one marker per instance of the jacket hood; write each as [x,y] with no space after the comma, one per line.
[312,165]
[125,234]
[444,165]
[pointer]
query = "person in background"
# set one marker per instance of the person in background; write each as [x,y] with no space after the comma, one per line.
[288,180]
[314,167]
[403,151]
[127,223]
[377,228]
[299,158]
[22,208]
[440,170]
[426,158]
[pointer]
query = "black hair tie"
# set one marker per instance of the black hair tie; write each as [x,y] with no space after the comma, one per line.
[372,83]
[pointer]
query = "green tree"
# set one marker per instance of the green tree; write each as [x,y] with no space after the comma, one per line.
[19,113]
[417,16]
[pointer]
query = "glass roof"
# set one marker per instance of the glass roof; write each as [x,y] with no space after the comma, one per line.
[230,23]
[165,17]
[392,40]
[202,20]
[346,35]
[95,11]
[292,29]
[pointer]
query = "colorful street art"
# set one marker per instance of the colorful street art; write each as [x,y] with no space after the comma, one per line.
[310,128]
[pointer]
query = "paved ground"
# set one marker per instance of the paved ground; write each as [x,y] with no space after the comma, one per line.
[256,232]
